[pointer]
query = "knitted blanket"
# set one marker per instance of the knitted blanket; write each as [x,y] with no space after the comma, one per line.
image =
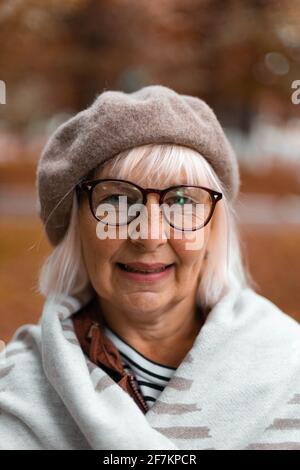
[237,388]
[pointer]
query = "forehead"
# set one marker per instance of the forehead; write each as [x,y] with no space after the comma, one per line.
[150,179]
[157,166]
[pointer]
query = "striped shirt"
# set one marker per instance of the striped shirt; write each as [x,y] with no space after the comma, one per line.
[151,377]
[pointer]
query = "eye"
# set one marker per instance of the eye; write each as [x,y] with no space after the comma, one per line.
[181,200]
[114,199]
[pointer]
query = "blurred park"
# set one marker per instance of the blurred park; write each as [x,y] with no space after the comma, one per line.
[242,57]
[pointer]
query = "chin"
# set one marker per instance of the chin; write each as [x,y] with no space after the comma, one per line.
[144,301]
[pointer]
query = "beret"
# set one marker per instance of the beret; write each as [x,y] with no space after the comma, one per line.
[116,121]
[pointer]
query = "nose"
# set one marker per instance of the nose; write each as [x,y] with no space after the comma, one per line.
[152,228]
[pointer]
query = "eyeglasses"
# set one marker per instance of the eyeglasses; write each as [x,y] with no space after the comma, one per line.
[185,207]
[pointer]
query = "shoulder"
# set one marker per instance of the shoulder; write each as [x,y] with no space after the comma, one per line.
[269,332]
[262,310]
[21,355]
[242,306]
[21,368]
[30,408]
[256,327]
[20,381]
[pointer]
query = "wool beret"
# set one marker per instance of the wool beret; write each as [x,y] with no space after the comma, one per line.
[116,121]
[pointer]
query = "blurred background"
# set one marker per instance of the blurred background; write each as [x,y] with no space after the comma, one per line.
[242,57]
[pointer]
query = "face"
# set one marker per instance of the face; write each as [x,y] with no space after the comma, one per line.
[133,292]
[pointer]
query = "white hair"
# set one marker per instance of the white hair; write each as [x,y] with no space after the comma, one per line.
[64,270]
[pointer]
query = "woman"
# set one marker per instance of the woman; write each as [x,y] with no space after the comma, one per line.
[152,335]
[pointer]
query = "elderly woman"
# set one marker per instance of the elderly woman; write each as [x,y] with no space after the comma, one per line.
[152,335]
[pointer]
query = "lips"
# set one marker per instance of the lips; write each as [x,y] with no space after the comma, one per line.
[144,267]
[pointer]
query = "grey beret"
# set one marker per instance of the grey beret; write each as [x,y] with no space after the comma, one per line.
[117,121]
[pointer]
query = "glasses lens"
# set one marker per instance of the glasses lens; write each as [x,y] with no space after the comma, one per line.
[187,208]
[112,201]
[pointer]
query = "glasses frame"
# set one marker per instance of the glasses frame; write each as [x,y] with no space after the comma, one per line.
[88,186]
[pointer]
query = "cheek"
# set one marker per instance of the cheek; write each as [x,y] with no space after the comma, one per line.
[190,250]
[99,259]
[97,253]
[100,254]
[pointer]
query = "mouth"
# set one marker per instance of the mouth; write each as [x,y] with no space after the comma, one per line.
[132,269]
[145,274]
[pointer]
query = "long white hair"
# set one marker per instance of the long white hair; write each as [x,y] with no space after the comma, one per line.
[64,270]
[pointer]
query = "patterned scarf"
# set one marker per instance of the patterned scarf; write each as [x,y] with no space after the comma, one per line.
[237,388]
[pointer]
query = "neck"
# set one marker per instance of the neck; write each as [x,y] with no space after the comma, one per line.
[165,338]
